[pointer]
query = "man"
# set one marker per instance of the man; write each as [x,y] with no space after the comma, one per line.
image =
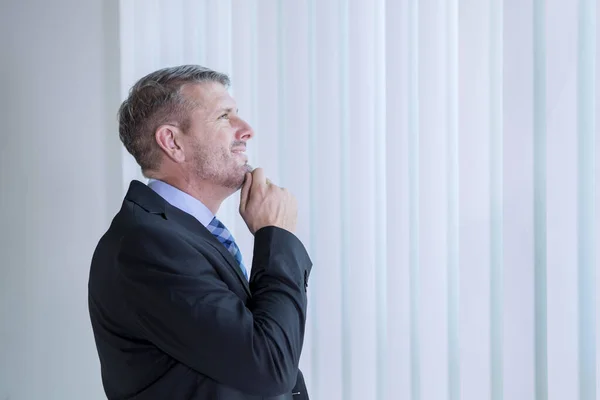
[173,314]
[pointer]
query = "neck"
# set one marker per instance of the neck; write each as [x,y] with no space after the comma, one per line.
[210,194]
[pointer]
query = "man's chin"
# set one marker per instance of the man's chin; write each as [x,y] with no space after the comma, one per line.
[235,180]
[246,168]
[236,184]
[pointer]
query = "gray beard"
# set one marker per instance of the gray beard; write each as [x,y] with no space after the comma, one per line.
[232,179]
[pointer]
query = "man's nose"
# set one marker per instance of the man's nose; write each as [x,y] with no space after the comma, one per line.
[244,131]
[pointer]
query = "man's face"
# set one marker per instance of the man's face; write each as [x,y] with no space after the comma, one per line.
[217,135]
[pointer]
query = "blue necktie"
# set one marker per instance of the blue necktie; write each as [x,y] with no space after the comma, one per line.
[219,231]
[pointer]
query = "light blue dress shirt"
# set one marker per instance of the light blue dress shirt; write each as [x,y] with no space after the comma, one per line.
[182,200]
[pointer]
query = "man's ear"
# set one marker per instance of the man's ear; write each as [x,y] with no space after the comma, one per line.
[169,139]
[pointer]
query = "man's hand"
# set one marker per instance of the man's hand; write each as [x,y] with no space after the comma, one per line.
[264,204]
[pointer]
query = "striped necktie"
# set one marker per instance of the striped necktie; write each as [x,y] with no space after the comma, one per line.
[219,231]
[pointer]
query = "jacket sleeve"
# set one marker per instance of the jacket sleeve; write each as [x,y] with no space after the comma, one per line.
[184,308]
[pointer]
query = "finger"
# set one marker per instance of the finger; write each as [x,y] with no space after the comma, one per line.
[245,192]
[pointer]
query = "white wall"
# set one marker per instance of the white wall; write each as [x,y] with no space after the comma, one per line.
[60,185]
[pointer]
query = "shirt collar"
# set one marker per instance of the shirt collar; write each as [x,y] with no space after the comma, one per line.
[183,201]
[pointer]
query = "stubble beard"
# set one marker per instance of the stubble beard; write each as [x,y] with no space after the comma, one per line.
[219,168]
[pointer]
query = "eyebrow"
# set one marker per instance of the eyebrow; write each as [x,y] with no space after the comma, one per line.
[226,109]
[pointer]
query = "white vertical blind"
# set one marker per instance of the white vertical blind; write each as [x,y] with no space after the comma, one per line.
[413,106]
[561,191]
[539,203]
[475,200]
[432,211]
[586,119]
[401,357]
[520,228]
[452,170]
[443,154]
[496,124]
[597,200]
[326,282]
[380,221]
[358,171]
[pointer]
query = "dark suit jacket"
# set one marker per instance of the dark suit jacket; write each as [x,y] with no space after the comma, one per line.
[174,318]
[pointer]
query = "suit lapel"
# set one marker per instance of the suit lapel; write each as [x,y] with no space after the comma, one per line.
[155,204]
[195,227]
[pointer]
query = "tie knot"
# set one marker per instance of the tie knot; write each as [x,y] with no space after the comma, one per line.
[219,230]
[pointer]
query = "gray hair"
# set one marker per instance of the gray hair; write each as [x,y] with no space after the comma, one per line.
[154,100]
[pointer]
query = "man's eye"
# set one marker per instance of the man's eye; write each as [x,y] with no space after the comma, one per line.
[224,116]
